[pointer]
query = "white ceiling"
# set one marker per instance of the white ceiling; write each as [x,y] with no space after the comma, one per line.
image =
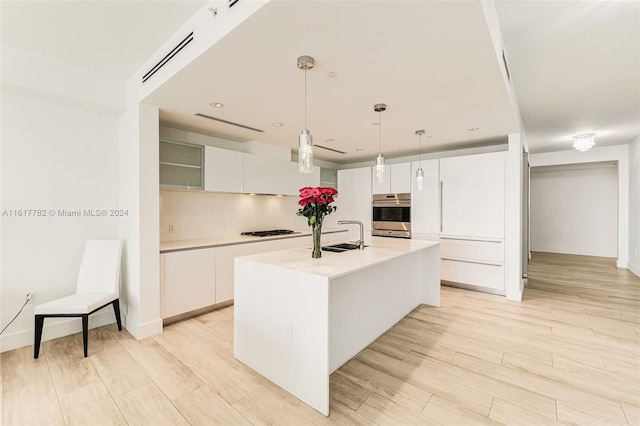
[574,65]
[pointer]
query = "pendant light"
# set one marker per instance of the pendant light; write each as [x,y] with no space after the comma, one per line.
[305,144]
[420,172]
[583,142]
[379,167]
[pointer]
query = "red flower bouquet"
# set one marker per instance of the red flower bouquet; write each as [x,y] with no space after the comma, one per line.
[315,205]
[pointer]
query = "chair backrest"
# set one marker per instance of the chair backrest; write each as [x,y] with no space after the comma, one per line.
[100,267]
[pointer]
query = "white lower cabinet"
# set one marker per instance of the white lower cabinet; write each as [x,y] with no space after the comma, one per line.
[198,278]
[189,281]
[224,268]
[477,262]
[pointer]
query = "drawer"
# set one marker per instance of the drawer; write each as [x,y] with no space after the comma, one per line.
[471,249]
[478,274]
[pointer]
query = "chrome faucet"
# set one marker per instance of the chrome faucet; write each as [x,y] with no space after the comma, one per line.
[355,222]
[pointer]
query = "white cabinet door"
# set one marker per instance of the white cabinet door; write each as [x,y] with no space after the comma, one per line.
[400,177]
[361,197]
[344,200]
[425,204]
[473,193]
[225,258]
[264,175]
[189,281]
[222,170]
[383,187]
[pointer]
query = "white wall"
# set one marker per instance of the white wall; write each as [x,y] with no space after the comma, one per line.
[634,207]
[575,211]
[59,151]
[619,153]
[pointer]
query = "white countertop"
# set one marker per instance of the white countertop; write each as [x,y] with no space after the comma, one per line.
[229,240]
[333,265]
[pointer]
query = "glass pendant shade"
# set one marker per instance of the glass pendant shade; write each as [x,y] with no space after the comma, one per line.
[584,142]
[305,152]
[379,168]
[420,178]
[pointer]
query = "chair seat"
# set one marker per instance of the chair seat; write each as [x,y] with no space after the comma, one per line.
[79,303]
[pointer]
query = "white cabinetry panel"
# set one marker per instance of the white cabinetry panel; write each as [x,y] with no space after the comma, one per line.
[481,251]
[223,170]
[264,175]
[189,281]
[473,194]
[400,177]
[478,274]
[383,187]
[425,204]
[224,268]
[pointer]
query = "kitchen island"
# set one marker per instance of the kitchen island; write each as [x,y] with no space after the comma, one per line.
[298,319]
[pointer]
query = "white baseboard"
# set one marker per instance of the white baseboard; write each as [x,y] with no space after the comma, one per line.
[635,269]
[144,330]
[54,328]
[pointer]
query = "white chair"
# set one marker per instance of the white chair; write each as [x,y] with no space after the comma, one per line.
[98,286]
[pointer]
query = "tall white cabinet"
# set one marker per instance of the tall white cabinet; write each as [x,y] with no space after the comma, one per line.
[472,205]
[354,200]
[425,204]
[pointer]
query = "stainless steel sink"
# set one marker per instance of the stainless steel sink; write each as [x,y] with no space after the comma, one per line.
[339,248]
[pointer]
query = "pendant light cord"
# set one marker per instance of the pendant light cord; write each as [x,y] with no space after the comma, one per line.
[305,97]
[380,132]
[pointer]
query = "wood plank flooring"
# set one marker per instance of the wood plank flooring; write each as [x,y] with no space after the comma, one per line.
[568,354]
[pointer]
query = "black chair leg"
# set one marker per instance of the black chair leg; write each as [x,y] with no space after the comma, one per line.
[85,333]
[39,322]
[116,309]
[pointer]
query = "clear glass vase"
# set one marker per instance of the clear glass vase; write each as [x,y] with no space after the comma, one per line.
[316,231]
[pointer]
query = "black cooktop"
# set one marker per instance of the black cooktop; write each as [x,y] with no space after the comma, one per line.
[268,233]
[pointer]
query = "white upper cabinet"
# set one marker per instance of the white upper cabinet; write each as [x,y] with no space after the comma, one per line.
[383,187]
[222,170]
[473,195]
[425,204]
[400,177]
[397,179]
[264,175]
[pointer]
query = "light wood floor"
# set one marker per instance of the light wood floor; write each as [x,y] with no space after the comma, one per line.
[569,353]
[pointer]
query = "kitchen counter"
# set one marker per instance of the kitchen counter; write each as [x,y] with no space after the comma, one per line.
[298,319]
[229,240]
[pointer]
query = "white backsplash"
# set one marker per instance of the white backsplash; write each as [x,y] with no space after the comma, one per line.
[199,214]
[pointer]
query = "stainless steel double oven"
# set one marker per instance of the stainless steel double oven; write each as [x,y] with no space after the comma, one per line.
[391,215]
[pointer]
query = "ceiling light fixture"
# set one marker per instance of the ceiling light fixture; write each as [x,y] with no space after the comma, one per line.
[583,142]
[305,144]
[379,167]
[420,172]
[216,104]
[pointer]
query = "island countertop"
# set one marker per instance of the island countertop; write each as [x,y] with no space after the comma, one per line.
[333,265]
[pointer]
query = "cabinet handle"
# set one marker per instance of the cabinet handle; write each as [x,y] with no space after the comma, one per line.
[471,261]
[441,197]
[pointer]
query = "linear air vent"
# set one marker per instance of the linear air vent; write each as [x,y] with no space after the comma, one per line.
[188,39]
[330,149]
[232,3]
[229,122]
[506,67]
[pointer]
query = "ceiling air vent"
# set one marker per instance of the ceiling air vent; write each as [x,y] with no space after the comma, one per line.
[188,39]
[229,122]
[330,149]
[232,3]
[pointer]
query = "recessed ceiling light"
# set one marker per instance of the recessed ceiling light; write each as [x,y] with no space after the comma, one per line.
[331,74]
[216,104]
[359,149]
[473,129]
[328,140]
[278,124]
